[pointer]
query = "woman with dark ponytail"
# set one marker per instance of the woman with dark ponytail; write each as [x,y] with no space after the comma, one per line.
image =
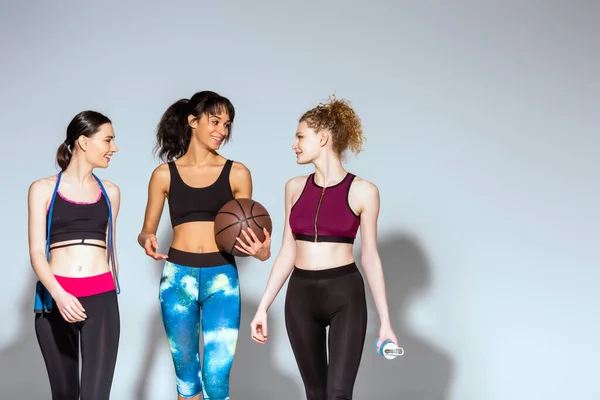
[199,288]
[72,219]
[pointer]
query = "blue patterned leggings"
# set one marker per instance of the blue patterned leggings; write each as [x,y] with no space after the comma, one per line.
[207,297]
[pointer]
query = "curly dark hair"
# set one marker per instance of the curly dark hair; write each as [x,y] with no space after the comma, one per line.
[174,132]
[339,118]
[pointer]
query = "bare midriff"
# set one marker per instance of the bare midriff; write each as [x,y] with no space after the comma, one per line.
[195,237]
[79,260]
[322,255]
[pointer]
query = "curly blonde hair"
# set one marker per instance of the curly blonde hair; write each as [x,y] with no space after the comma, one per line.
[340,119]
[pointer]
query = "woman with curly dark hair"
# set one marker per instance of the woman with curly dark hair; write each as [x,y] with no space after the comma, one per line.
[323,212]
[199,289]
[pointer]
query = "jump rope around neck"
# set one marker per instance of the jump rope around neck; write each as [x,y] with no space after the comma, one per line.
[43,299]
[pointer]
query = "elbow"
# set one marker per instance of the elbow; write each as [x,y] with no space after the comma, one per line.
[370,259]
[365,263]
[287,251]
[285,260]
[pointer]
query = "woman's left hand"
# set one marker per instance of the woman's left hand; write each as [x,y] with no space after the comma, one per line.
[254,247]
[386,333]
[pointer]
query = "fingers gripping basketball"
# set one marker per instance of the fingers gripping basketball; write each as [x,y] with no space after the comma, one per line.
[234,217]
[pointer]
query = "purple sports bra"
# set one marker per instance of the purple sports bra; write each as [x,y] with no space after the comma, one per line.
[324,214]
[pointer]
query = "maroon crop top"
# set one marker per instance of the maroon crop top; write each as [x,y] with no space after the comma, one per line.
[324,214]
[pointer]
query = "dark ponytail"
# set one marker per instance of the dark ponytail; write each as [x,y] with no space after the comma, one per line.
[86,123]
[63,156]
[174,133]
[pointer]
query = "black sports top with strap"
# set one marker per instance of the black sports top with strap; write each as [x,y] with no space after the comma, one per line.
[76,220]
[190,204]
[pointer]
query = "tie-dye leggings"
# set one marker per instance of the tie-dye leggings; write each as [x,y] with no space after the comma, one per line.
[205,294]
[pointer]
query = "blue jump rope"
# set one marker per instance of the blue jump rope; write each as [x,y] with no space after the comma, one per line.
[43,299]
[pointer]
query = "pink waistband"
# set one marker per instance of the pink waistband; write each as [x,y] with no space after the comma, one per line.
[87,286]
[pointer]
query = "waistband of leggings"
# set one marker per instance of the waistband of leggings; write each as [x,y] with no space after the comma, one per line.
[325,273]
[200,260]
[86,285]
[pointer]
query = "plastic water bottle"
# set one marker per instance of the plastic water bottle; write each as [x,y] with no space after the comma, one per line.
[389,349]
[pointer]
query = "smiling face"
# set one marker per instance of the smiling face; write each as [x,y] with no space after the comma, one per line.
[307,145]
[212,129]
[99,148]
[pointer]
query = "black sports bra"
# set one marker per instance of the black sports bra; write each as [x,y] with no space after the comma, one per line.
[72,220]
[190,204]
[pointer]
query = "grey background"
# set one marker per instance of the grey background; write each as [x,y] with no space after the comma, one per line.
[482,135]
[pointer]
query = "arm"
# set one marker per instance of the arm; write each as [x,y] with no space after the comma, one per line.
[38,198]
[158,187]
[114,195]
[241,185]
[369,200]
[284,262]
[282,267]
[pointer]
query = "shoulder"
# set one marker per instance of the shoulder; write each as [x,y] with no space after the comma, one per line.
[110,187]
[162,171]
[43,186]
[238,168]
[297,181]
[113,191]
[161,174]
[296,184]
[239,172]
[364,189]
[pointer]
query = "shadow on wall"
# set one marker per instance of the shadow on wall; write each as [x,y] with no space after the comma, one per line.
[424,371]
[253,376]
[23,370]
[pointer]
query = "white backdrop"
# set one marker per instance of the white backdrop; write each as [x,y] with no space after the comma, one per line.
[482,135]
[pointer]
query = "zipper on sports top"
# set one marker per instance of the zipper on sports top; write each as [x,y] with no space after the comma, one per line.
[317,214]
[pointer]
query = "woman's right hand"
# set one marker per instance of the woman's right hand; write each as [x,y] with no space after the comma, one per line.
[151,248]
[70,308]
[258,327]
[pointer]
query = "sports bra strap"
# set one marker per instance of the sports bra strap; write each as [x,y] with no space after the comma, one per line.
[50,210]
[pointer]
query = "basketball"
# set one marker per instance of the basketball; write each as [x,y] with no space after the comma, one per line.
[236,215]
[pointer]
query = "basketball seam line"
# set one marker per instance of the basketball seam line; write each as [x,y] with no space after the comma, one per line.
[230,213]
[235,241]
[239,221]
[240,224]
[242,208]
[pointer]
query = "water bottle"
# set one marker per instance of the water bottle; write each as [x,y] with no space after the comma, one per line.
[389,349]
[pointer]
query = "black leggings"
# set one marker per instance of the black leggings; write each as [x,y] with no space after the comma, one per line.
[59,342]
[317,299]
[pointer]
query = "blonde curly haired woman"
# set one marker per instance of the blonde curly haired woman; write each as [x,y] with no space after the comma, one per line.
[323,212]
